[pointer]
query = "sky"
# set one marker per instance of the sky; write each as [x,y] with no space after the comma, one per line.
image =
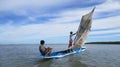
[28,22]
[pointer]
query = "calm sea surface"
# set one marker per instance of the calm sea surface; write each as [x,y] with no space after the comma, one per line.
[27,56]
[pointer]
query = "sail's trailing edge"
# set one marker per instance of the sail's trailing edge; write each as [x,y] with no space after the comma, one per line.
[83,30]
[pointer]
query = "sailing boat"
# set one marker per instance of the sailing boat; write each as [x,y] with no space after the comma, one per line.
[81,36]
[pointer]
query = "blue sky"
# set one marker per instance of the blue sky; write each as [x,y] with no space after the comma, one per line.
[30,21]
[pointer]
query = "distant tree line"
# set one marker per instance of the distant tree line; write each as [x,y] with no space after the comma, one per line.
[116,42]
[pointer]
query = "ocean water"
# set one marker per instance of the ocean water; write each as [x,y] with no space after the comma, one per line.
[97,55]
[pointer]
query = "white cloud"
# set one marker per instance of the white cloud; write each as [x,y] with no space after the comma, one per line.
[66,21]
[106,22]
[15,4]
[36,31]
[106,32]
[107,36]
[31,4]
[109,5]
[31,18]
[70,16]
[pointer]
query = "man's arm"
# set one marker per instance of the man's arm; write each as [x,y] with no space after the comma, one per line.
[75,33]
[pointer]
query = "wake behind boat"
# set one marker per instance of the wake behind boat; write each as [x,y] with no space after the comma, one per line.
[82,33]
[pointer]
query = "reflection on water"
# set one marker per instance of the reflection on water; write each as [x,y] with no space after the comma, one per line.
[93,56]
[69,61]
[44,63]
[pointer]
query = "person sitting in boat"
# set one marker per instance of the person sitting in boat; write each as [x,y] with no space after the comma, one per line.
[44,51]
[70,40]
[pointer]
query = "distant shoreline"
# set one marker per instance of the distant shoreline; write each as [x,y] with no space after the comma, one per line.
[114,42]
[117,42]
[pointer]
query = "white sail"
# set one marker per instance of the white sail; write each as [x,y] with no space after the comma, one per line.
[83,30]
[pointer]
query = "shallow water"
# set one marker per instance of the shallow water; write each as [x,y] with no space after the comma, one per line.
[27,56]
